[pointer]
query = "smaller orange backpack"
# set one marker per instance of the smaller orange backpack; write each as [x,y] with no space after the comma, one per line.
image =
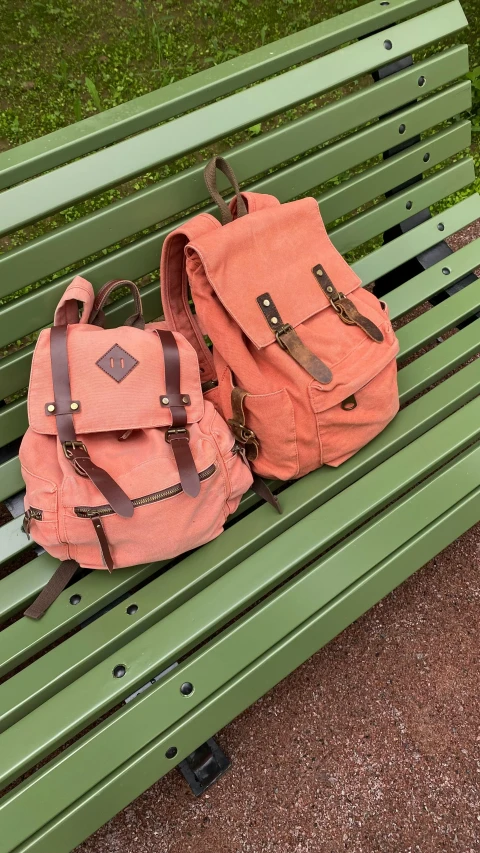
[124,461]
[304,358]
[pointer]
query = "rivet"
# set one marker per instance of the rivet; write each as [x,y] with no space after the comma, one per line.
[186,689]
[319,272]
[119,671]
[266,302]
[184,399]
[51,408]
[74,406]
[274,320]
[75,599]
[165,401]
[329,289]
[171,752]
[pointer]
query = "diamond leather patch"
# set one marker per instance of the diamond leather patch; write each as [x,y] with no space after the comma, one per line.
[117,363]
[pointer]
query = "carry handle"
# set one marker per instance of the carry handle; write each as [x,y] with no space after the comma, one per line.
[210,175]
[97,317]
[67,312]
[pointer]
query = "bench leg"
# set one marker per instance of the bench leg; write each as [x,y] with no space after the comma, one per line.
[204,766]
[441,251]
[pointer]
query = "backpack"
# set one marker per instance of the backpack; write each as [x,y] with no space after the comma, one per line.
[303,365]
[123,461]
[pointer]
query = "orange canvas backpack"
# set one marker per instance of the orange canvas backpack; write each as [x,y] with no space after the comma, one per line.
[124,461]
[304,358]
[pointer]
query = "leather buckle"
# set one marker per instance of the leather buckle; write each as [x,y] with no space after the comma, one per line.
[283,331]
[176,432]
[70,446]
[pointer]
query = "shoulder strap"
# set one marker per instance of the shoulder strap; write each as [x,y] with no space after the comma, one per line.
[174,289]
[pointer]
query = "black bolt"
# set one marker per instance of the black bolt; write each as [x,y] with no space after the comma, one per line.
[171,752]
[409,205]
[422,80]
[426,158]
[75,599]
[384,3]
[402,128]
[441,226]
[119,671]
[446,271]
[186,688]
[131,609]
[387,44]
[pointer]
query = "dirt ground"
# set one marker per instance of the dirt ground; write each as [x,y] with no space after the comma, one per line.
[372,746]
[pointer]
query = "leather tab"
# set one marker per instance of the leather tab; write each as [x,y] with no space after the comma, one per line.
[53,588]
[78,455]
[345,308]
[261,489]
[289,341]
[242,433]
[103,542]
[189,478]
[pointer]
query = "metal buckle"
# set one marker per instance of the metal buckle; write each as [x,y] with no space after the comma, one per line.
[69,446]
[176,432]
[282,331]
[242,432]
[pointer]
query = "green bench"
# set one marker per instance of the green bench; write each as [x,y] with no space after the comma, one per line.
[243,611]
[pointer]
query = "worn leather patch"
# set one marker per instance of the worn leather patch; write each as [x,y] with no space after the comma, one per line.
[117,363]
[345,308]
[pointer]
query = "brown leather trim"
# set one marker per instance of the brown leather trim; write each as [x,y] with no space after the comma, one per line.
[61,383]
[210,175]
[261,489]
[53,588]
[178,435]
[79,457]
[97,317]
[345,308]
[289,341]
[73,408]
[117,362]
[103,542]
[242,433]
[175,400]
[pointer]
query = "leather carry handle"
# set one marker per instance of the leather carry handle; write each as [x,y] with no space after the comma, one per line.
[210,175]
[97,317]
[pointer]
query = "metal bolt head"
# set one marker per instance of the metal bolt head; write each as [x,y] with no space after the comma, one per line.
[51,408]
[329,289]
[74,407]
[320,272]
[266,302]
[185,400]
[165,401]
[274,320]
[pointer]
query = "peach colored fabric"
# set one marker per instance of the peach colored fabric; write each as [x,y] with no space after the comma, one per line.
[142,464]
[300,423]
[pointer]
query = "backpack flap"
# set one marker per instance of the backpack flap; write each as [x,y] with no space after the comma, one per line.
[269,256]
[117,381]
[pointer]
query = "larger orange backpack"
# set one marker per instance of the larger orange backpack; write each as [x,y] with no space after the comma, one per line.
[303,364]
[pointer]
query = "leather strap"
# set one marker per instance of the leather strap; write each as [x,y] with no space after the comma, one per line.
[345,308]
[242,433]
[178,436]
[97,317]
[52,590]
[289,341]
[75,451]
[61,383]
[210,175]
[103,542]
[261,489]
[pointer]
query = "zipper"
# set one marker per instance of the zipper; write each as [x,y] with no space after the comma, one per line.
[106,509]
[32,512]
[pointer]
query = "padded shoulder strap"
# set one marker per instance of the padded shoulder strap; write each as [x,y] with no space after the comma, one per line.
[174,289]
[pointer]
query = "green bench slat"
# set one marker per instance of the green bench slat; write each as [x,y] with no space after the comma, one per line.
[15,369]
[13,421]
[12,539]
[142,257]
[84,237]
[385,214]
[62,145]
[445,316]
[134,776]
[11,480]
[64,186]
[433,365]
[393,254]
[105,749]
[83,701]
[391,173]
[26,638]
[430,282]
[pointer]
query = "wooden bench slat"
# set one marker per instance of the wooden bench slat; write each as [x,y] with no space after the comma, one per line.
[75,140]
[142,257]
[134,776]
[240,645]
[26,638]
[422,330]
[62,187]
[364,226]
[170,197]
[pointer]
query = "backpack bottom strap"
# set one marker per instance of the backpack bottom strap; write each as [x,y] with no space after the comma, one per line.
[52,590]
